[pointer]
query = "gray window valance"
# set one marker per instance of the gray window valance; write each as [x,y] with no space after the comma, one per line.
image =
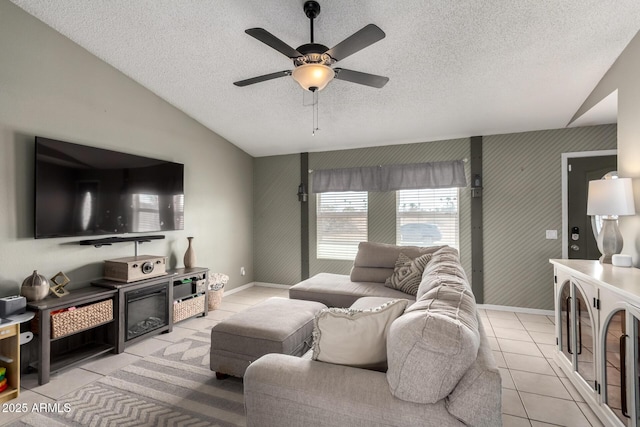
[390,177]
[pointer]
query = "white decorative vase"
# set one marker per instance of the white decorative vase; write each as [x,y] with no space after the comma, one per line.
[35,287]
[190,255]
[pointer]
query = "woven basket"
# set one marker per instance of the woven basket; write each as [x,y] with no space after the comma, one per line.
[215,298]
[69,322]
[188,308]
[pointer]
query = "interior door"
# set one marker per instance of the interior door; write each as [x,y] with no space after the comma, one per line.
[582,243]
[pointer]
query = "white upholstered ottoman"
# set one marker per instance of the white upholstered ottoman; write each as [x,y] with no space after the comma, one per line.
[277,325]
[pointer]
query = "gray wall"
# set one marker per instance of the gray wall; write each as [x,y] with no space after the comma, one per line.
[276,221]
[51,87]
[277,210]
[623,78]
[521,199]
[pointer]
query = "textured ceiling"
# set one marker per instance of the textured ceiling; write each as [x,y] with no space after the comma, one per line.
[456,67]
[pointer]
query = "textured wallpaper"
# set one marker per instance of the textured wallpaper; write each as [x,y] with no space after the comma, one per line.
[522,198]
[277,210]
[276,219]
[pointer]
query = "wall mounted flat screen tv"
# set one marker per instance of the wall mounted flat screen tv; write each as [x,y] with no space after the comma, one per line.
[88,191]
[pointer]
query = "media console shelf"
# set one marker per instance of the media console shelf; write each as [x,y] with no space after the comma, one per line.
[61,343]
[109,315]
[149,307]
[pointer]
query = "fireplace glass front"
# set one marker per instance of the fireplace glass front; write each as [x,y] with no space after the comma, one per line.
[146,310]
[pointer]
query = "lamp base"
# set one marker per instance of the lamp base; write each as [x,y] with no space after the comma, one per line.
[609,240]
[605,259]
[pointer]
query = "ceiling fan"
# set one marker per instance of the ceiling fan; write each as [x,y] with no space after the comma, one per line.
[312,61]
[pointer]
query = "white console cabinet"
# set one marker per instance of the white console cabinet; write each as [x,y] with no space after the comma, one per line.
[597,310]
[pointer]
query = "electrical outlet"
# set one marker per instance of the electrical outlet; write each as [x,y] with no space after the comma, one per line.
[242,271]
[552,234]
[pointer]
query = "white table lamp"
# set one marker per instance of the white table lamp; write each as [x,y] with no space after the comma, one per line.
[610,198]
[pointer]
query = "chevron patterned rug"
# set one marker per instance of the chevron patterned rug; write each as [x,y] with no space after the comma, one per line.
[172,387]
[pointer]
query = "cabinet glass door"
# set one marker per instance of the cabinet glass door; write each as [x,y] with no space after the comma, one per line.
[584,338]
[614,365]
[636,365]
[565,320]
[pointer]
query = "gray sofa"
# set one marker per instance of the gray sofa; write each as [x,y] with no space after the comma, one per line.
[441,371]
[373,264]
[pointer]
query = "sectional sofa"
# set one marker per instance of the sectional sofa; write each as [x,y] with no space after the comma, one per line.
[440,370]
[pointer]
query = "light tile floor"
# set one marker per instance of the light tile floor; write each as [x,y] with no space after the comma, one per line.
[535,392]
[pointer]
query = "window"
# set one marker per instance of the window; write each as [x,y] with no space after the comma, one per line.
[427,217]
[341,224]
[146,212]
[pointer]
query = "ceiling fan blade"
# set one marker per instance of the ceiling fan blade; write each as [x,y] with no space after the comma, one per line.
[361,78]
[357,41]
[264,78]
[270,40]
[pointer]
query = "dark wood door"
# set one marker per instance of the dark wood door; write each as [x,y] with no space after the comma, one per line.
[582,244]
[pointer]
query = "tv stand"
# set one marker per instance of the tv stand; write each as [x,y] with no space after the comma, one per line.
[111,240]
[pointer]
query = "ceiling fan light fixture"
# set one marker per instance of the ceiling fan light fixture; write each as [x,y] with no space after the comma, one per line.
[313,77]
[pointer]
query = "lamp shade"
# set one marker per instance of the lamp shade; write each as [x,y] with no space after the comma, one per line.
[611,197]
[313,76]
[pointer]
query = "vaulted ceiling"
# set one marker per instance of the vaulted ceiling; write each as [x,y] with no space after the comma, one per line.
[456,68]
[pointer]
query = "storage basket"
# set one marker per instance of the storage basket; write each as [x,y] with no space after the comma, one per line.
[217,281]
[88,316]
[201,285]
[185,309]
[215,298]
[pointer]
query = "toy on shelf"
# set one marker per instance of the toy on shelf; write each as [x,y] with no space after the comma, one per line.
[3,379]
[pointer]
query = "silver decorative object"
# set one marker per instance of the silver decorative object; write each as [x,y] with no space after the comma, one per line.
[35,287]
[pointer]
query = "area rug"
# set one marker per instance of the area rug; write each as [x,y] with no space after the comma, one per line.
[172,387]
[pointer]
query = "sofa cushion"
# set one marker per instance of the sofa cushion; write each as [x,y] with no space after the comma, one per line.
[477,398]
[408,273]
[366,303]
[337,290]
[432,345]
[444,267]
[353,337]
[370,274]
[375,261]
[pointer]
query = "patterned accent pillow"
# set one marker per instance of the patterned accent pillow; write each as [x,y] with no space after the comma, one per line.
[408,273]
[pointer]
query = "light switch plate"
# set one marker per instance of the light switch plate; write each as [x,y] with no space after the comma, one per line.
[552,234]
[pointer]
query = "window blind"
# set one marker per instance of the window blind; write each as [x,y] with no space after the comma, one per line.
[427,217]
[146,212]
[341,223]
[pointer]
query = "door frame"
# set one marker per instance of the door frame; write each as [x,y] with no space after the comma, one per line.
[565,190]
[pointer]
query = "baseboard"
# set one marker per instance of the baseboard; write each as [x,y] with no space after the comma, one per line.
[239,288]
[516,309]
[272,285]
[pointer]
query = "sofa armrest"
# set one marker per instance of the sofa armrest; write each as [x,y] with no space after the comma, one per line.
[282,390]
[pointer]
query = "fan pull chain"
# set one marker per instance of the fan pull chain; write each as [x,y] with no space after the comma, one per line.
[315,114]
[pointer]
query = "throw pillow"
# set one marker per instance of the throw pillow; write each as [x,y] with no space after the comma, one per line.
[407,275]
[353,337]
